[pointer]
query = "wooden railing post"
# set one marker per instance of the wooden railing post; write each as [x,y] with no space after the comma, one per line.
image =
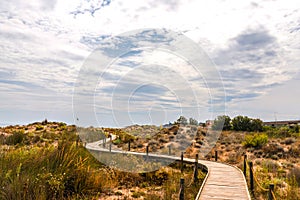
[181,162]
[129,146]
[181,193]
[103,143]
[147,150]
[245,165]
[196,169]
[169,150]
[109,147]
[216,156]
[251,177]
[271,189]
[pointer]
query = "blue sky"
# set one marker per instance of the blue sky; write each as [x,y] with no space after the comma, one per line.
[255,46]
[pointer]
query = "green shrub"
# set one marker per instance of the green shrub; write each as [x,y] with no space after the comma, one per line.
[39,128]
[282,131]
[222,123]
[15,138]
[256,140]
[137,194]
[122,135]
[117,141]
[295,129]
[36,139]
[268,128]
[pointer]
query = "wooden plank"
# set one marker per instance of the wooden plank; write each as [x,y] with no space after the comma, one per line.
[224,182]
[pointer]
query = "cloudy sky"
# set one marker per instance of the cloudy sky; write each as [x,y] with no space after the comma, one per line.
[46,44]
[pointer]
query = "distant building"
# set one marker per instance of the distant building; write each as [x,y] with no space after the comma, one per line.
[282,123]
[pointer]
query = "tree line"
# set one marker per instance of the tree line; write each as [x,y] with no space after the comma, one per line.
[184,121]
[238,123]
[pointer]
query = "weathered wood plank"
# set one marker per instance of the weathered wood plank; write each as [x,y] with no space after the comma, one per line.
[224,182]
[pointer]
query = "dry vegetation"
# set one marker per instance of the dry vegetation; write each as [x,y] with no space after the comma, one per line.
[47,161]
[275,154]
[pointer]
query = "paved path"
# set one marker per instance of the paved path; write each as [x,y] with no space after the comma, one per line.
[222,181]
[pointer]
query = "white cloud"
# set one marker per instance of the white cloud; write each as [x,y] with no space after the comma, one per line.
[42,47]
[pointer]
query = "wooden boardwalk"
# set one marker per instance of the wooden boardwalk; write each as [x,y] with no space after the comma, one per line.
[222,181]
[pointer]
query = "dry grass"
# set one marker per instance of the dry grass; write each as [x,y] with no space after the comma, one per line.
[47,161]
[276,160]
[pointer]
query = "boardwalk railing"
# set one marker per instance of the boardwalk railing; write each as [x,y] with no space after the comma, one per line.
[224,181]
[253,179]
[216,184]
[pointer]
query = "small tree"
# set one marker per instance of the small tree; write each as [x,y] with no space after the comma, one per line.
[256,125]
[241,123]
[296,129]
[244,123]
[193,121]
[222,123]
[182,120]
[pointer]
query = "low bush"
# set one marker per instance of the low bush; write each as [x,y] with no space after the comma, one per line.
[15,138]
[255,140]
[39,128]
[282,132]
[137,194]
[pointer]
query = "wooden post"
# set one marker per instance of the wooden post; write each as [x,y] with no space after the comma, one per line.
[129,146]
[245,165]
[216,156]
[169,150]
[109,147]
[251,177]
[271,189]
[196,169]
[147,150]
[181,162]
[181,193]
